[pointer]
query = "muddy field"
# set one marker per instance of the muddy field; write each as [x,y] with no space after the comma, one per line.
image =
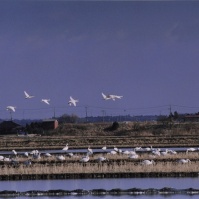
[58,142]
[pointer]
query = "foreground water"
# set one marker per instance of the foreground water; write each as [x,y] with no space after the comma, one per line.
[108,184]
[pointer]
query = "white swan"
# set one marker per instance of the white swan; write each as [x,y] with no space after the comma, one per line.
[133,156]
[164,152]
[147,162]
[7,159]
[90,151]
[112,153]
[184,161]
[26,154]
[11,108]
[104,148]
[37,156]
[47,155]
[148,148]
[66,147]
[72,101]
[27,162]
[101,159]
[1,158]
[60,157]
[14,152]
[190,149]
[172,152]
[46,101]
[27,96]
[113,97]
[84,159]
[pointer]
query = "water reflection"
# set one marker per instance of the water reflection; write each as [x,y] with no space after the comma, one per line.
[88,184]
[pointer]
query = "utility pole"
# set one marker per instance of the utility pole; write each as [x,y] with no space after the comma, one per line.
[170,110]
[54,112]
[103,114]
[86,108]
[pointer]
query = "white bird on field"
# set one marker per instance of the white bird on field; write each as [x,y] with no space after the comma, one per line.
[70,155]
[104,148]
[90,151]
[147,162]
[156,152]
[172,152]
[101,159]
[15,153]
[47,155]
[126,152]
[184,161]
[7,159]
[72,101]
[66,147]
[26,154]
[191,149]
[27,96]
[37,156]
[11,108]
[148,148]
[60,157]
[85,158]
[138,148]
[113,97]
[27,162]
[112,153]
[46,101]
[1,158]
[134,156]
[164,152]
[115,149]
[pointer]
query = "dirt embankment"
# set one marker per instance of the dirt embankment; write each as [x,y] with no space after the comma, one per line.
[129,134]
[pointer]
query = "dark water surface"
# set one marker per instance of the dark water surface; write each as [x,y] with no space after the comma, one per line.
[108,184]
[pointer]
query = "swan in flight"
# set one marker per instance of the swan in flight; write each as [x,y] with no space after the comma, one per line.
[72,101]
[11,108]
[113,97]
[66,147]
[27,96]
[46,101]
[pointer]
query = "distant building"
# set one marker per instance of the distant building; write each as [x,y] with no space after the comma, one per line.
[49,124]
[9,127]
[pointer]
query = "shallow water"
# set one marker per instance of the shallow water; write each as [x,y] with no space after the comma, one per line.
[108,184]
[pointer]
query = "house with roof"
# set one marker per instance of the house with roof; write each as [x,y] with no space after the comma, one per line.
[10,127]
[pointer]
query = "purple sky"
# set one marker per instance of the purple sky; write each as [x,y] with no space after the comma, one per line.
[147,51]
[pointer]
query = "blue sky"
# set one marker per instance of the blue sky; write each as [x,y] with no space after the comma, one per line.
[146,51]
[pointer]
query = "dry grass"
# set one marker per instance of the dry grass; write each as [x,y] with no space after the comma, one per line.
[116,163]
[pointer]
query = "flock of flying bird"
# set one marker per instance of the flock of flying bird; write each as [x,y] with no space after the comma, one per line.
[71,102]
[132,154]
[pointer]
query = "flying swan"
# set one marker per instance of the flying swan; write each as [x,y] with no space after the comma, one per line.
[27,96]
[113,97]
[72,101]
[46,101]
